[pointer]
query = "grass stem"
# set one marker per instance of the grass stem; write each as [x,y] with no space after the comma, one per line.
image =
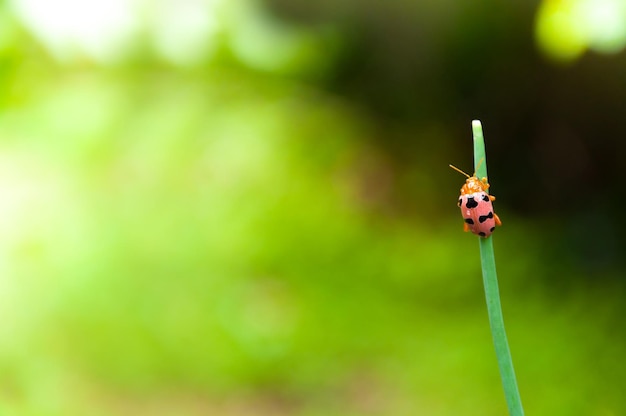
[492,294]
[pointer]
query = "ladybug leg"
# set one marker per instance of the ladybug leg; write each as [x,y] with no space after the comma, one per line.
[497,219]
[466,227]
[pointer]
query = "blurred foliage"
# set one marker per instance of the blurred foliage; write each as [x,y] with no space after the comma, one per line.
[262,222]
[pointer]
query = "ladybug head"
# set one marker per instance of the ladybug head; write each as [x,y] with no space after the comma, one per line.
[472,183]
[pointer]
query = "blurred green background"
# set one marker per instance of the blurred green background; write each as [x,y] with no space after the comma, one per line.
[239,207]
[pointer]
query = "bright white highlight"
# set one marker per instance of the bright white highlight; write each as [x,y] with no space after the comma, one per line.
[74,29]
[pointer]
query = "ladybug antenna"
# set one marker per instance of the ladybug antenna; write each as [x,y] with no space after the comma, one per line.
[460,171]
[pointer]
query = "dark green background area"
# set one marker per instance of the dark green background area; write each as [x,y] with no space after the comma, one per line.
[230,239]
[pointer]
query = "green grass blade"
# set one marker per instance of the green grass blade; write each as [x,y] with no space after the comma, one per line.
[492,294]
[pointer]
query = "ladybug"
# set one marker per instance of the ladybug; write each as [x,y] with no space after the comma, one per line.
[476,206]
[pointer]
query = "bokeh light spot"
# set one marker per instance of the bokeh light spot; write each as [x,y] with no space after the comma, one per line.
[558,32]
[605,24]
[566,28]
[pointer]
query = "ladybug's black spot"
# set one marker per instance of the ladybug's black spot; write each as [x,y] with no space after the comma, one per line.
[484,218]
[459,203]
[482,234]
[469,221]
[486,197]
[492,228]
[471,203]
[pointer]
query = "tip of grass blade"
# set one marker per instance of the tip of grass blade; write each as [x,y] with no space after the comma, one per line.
[480,162]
